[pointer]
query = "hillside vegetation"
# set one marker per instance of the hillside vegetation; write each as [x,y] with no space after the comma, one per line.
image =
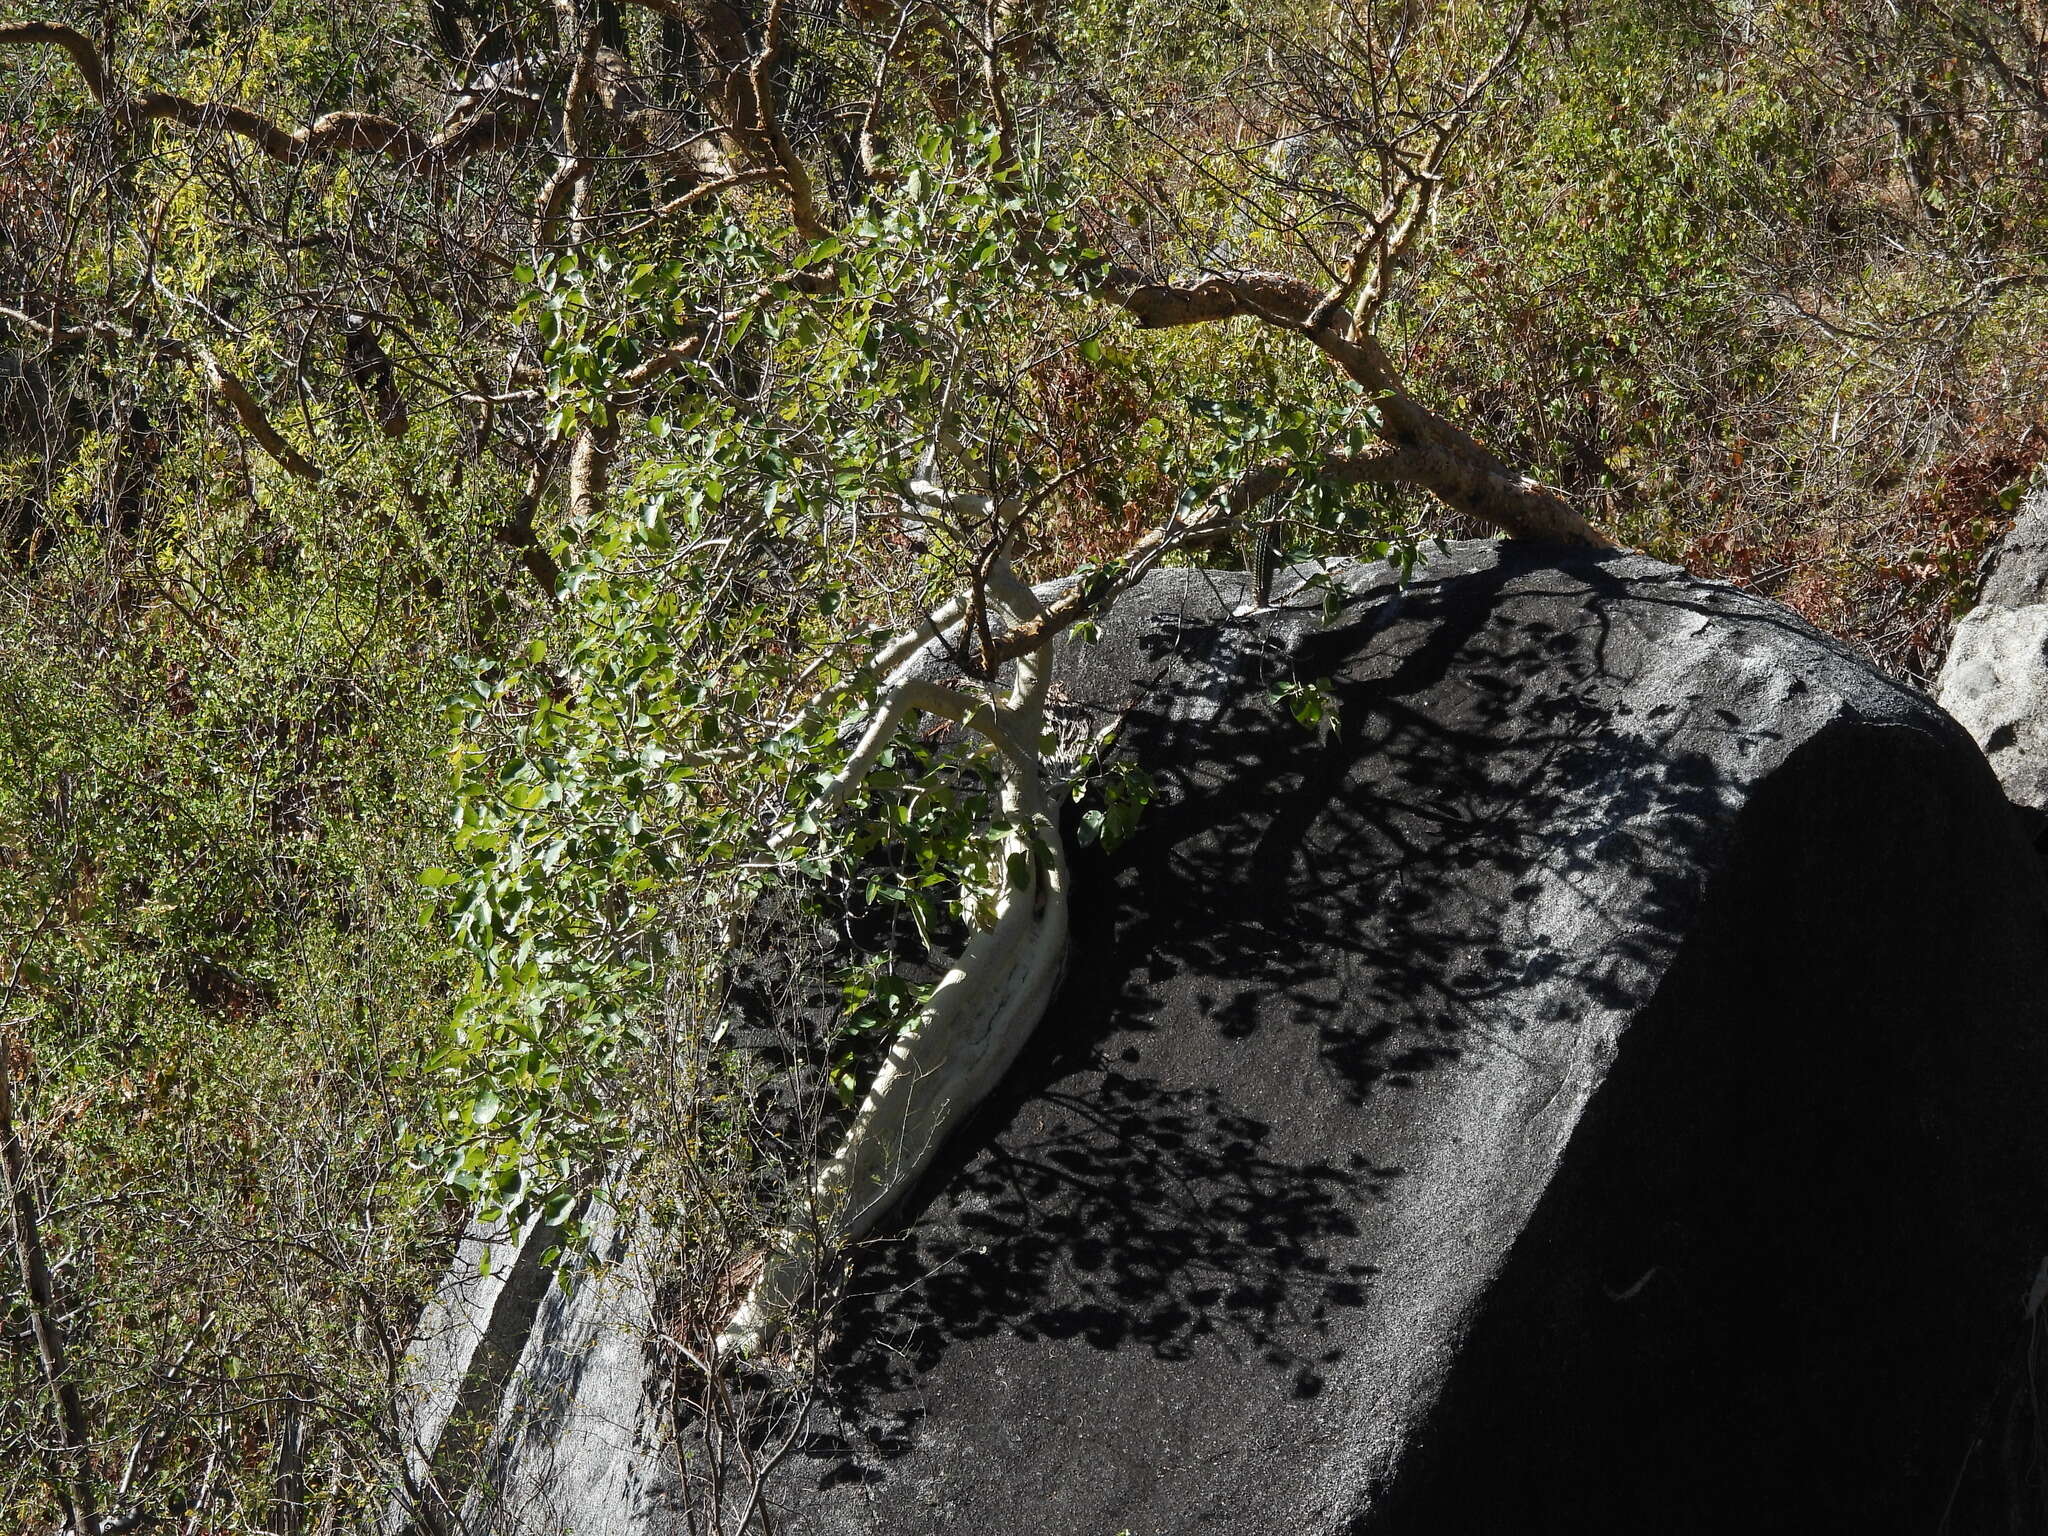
[458,463]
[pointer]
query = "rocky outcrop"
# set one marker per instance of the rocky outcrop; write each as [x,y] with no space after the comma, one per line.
[532,1406]
[1995,679]
[1599,1088]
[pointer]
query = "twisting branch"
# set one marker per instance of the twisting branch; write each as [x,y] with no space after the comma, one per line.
[569,174]
[902,700]
[226,385]
[329,135]
[518,534]
[1424,180]
[54,330]
[252,416]
[84,56]
[740,98]
[869,139]
[1435,454]
[1369,249]
[992,82]
[702,192]
[663,361]
[572,172]
[1387,242]
[978,1018]
[803,202]
[1088,598]
[943,1064]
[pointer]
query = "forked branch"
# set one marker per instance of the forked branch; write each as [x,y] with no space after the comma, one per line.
[947,1060]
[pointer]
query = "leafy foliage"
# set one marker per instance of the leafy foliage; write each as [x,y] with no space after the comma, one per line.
[589,450]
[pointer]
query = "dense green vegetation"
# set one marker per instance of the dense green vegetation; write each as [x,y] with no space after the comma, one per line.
[443,553]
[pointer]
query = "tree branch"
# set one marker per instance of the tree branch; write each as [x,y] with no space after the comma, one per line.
[517,531]
[329,135]
[223,383]
[84,55]
[702,192]
[803,203]
[1435,454]
[75,1482]
[1381,466]
[661,362]
[251,415]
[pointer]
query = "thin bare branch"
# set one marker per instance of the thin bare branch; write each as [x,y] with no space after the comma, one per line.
[701,193]
[253,417]
[74,1479]
[1382,466]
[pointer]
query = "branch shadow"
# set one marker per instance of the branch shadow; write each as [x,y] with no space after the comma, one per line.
[1301,935]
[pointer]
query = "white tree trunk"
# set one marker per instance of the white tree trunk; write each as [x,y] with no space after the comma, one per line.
[941,1067]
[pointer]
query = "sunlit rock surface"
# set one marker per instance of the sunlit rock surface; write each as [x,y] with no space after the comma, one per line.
[1995,679]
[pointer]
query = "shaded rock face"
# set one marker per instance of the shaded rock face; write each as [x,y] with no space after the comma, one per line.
[1600,1088]
[1995,678]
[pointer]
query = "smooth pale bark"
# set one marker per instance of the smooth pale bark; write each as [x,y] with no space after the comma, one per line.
[981,1014]
[938,1070]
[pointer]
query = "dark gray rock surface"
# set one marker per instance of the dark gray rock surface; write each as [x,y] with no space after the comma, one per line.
[1601,1089]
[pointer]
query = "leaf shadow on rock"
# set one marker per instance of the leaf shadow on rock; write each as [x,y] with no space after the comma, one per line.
[1267,976]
